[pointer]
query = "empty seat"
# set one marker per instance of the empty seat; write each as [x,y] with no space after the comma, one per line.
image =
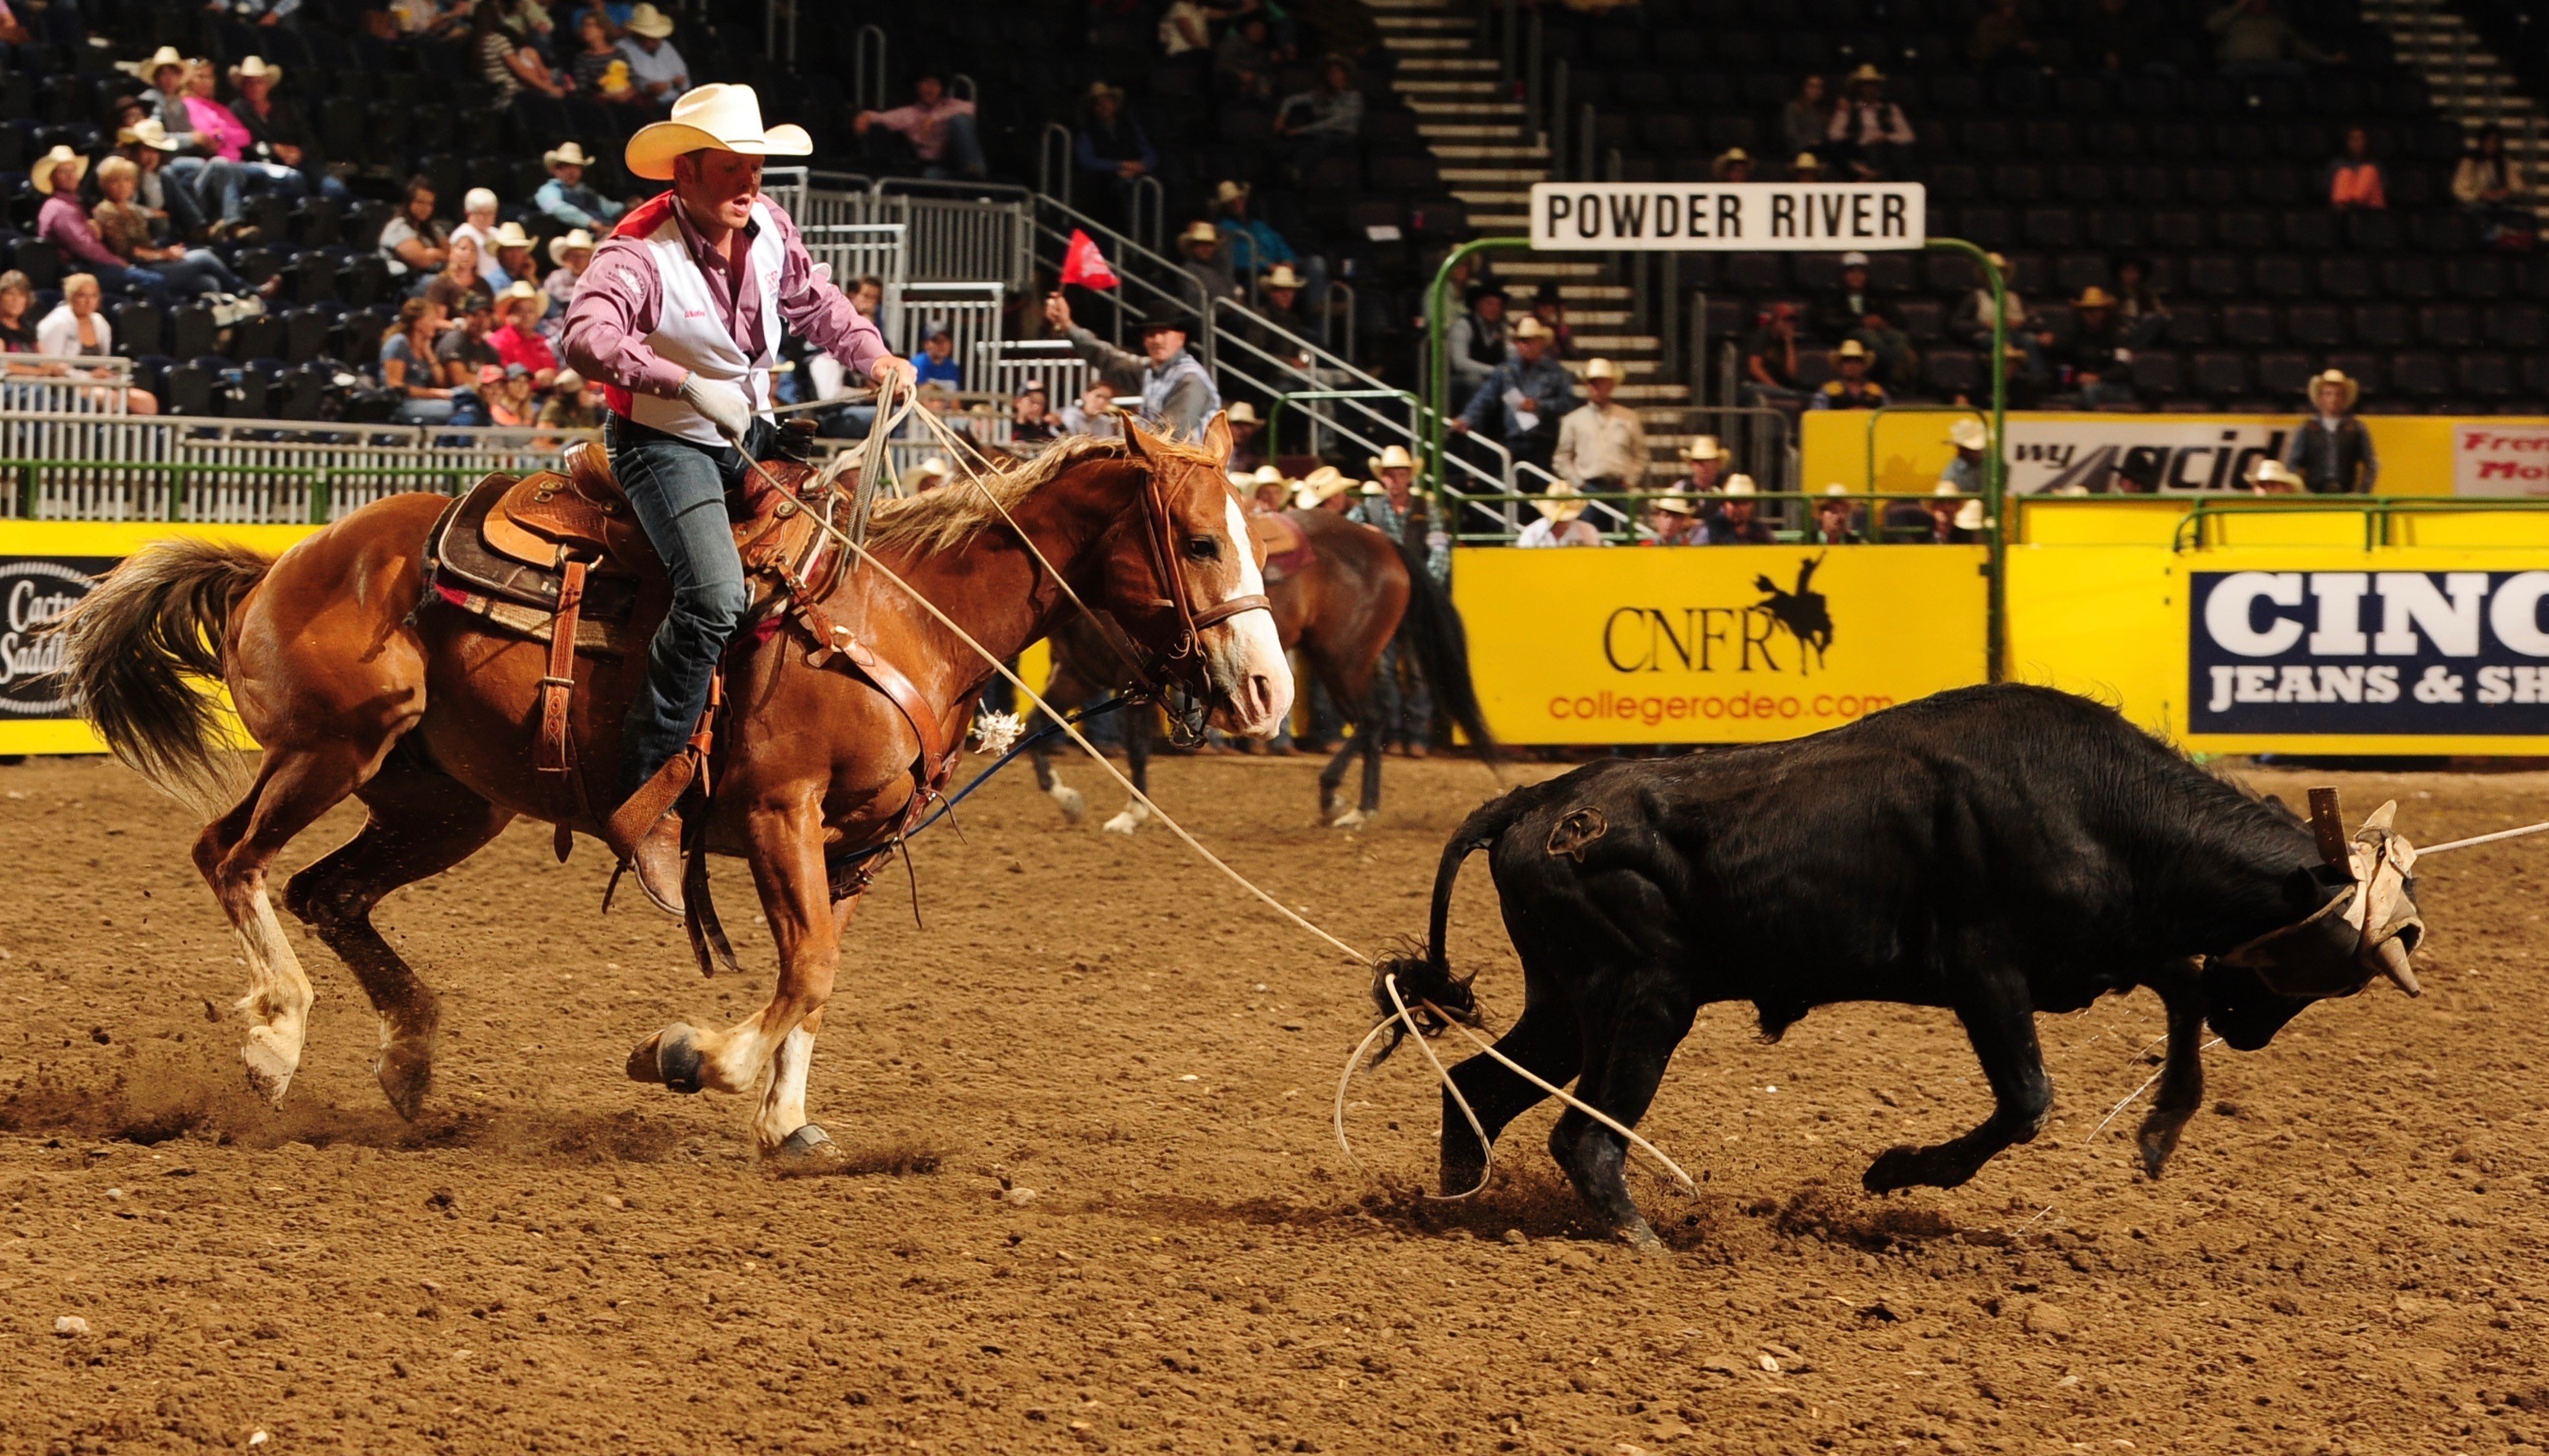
[140,329]
[2215,275]
[1953,372]
[2410,277]
[2315,325]
[2479,278]
[2345,277]
[2245,228]
[2047,139]
[2381,325]
[2419,375]
[1756,272]
[2180,229]
[2370,370]
[2439,233]
[2018,182]
[2487,375]
[2052,229]
[1986,136]
[1925,321]
[2447,326]
[2221,374]
[2370,232]
[2515,326]
[2281,276]
[2213,186]
[2273,184]
[191,331]
[2073,272]
[2311,230]
[2081,182]
[190,390]
[2248,326]
[2150,186]
[2190,325]
[2283,374]
[2116,229]
[2158,372]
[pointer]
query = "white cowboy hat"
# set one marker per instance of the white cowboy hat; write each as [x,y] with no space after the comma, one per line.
[1324,485]
[1854,259]
[650,23]
[566,154]
[1702,447]
[1395,457]
[1600,369]
[1970,433]
[713,118]
[2337,377]
[148,133]
[1282,276]
[516,291]
[1265,475]
[1806,161]
[1375,487]
[1741,485]
[1230,191]
[1850,348]
[148,70]
[1969,517]
[1674,503]
[566,243]
[1835,493]
[1242,412]
[1528,326]
[51,162]
[1200,230]
[2264,472]
[1561,501]
[936,465]
[255,68]
[509,234]
[1946,488]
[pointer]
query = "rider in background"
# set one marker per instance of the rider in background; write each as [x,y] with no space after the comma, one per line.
[1178,392]
[678,318]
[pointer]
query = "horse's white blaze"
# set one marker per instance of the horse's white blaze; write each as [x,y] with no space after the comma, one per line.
[1248,663]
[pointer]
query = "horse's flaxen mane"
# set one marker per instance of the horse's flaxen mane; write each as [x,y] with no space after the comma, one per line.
[950,515]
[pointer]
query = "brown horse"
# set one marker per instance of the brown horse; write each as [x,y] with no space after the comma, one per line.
[427,714]
[1339,605]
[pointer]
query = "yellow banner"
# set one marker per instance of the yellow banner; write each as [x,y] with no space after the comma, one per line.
[1713,644]
[46,567]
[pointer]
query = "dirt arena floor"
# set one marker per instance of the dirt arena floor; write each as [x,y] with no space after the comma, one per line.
[1092,1199]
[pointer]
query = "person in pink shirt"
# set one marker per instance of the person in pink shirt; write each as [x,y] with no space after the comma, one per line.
[679,320]
[2354,179]
[521,341]
[225,135]
[939,127]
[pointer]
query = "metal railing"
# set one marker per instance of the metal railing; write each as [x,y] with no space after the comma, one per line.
[1622,516]
[63,385]
[855,250]
[972,313]
[867,68]
[251,471]
[1009,365]
[2196,530]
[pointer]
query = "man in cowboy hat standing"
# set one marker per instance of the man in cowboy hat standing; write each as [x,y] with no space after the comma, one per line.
[1402,706]
[2331,451]
[1601,446]
[565,197]
[1531,392]
[1176,391]
[679,320]
[1475,343]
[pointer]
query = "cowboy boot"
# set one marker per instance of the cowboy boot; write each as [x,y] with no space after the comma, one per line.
[656,857]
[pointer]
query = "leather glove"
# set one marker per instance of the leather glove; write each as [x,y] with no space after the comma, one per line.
[723,405]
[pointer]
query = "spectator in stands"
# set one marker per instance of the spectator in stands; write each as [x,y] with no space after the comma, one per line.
[1806,168]
[2112,36]
[1868,134]
[2490,185]
[1834,519]
[59,222]
[507,395]
[1853,390]
[1031,421]
[172,206]
[1601,445]
[1549,307]
[2258,41]
[1398,512]
[478,225]
[2333,451]
[1177,393]
[571,405]
[1562,520]
[1734,164]
[1736,521]
[416,244]
[565,197]
[1247,436]
[125,227]
[1770,360]
[1999,37]
[1964,470]
[17,300]
[500,43]
[599,69]
[514,260]
[279,133]
[230,139]
[571,253]
[1202,244]
[2266,475]
[1268,491]
[1475,344]
[658,70]
[1707,465]
[211,180]
[1251,243]
[936,363]
[1672,519]
[939,128]
[460,279]
[519,340]
[2139,310]
[464,351]
[1111,146]
[1857,311]
[1092,414]
[1325,121]
[1243,64]
[1955,518]
[1279,305]
[2354,179]
[76,330]
[1970,324]
[1806,120]
[1527,395]
[2096,356]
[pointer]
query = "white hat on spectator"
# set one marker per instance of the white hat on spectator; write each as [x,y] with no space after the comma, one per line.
[1395,457]
[1229,192]
[1854,259]
[51,162]
[645,20]
[520,290]
[566,243]
[148,70]
[148,133]
[933,468]
[1375,487]
[1267,475]
[1806,161]
[1970,433]
[2269,476]
[1600,369]
[1200,230]
[1528,326]
[1561,501]
[1282,276]
[566,154]
[509,234]
[1946,488]
[257,68]
[1839,489]
[1674,503]
[1969,517]
[1702,447]
[713,118]
[2337,377]
[1741,485]
[478,200]
[1850,348]
[568,381]
[1323,485]
[1242,412]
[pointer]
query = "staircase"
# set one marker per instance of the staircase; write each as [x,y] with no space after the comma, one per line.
[1476,130]
[2468,83]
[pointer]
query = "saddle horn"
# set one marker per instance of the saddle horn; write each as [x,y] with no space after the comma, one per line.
[2328,827]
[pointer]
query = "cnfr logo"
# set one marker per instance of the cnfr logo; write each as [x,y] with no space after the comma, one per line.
[1720,639]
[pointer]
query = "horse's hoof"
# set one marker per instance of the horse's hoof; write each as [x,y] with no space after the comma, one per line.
[404,1071]
[808,1144]
[1132,818]
[677,1059]
[1350,819]
[1073,803]
[269,1070]
[641,1061]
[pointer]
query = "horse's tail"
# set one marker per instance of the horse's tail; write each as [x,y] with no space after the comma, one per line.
[133,643]
[1428,977]
[1442,645]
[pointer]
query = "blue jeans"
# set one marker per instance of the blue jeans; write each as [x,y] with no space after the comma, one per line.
[1401,714]
[678,489]
[217,187]
[200,271]
[963,154]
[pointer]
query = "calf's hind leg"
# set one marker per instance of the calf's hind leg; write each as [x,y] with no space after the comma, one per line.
[1545,1039]
[2000,1022]
[1620,1080]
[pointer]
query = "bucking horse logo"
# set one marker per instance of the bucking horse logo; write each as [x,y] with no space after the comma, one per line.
[1802,612]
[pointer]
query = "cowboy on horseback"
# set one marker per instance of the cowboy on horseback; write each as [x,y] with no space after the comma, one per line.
[678,318]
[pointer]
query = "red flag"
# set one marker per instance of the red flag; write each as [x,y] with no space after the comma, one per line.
[1084,264]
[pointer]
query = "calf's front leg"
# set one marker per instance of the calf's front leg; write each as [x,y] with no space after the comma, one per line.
[2181,1076]
[2000,1022]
